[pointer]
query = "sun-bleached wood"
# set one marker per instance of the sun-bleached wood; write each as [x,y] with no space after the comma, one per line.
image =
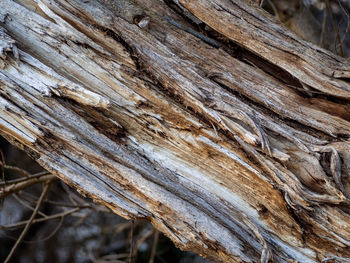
[239,153]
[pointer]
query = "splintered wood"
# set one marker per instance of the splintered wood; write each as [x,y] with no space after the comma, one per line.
[233,141]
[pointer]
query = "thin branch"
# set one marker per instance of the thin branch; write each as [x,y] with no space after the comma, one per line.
[142,239]
[51,234]
[82,219]
[40,240]
[154,247]
[121,227]
[337,37]
[25,204]
[74,198]
[91,206]
[324,33]
[29,223]
[24,179]
[13,188]
[29,197]
[274,9]
[114,256]
[347,25]
[39,220]
[131,255]
[2,166]
[17,169]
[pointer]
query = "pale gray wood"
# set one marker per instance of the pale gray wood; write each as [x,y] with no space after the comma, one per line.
[125,102]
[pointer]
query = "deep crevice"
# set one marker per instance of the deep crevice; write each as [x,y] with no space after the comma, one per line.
[250,58]
[96,118]
[261,108]
[120,40]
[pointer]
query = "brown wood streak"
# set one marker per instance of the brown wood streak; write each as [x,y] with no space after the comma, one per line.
[254,29]
[226,160]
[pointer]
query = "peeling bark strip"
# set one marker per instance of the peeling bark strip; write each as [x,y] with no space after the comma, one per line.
[260,33]
[128,102]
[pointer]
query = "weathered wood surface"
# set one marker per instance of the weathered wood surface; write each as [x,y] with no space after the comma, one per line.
[236,157]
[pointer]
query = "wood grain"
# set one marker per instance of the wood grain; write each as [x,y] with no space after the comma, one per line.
[156,122]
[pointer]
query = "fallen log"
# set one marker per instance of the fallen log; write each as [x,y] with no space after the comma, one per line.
[232,140]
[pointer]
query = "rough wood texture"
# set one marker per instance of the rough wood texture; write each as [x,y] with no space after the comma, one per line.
[238,157]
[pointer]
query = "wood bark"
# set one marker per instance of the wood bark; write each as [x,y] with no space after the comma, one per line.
[208,118]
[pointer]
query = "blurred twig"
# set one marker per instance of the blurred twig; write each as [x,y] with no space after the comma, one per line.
[58,215]
[324,33]
[73,197]
[15,187]
[337,37]
[275,11]
[2,165]
[17,169]
[27,175]
[121,227]
[142,238]
[82,218]
[131,255]
[30,221]
[114,258]
[29,197]
[52,233]
[154,247]
[43,239]
[347,25]
[92,206]
[25,204]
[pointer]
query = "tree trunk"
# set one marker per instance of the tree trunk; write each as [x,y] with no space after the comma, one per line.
[231,138]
